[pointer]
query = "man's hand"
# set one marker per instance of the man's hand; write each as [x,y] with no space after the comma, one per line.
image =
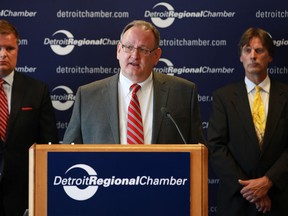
[263,204]
[255,189]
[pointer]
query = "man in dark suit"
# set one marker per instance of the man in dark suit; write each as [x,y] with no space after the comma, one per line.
[31,120]
[253,170]
[100,109]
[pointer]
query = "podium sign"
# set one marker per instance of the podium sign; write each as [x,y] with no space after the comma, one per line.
[118,183]
[88,180]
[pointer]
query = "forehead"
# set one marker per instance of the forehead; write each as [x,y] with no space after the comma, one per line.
[139,33]
[8,39]
[254,42]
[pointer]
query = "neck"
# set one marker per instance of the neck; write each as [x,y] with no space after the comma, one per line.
[257,79]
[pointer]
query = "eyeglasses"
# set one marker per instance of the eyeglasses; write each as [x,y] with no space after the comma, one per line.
[141,50]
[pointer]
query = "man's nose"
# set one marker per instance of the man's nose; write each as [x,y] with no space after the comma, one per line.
[135,52]
[3,53]
[253,54]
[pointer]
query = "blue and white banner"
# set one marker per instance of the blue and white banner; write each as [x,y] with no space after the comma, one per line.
[70,43]
[118,183]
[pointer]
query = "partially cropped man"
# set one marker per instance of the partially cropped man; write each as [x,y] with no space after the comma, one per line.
[26,117]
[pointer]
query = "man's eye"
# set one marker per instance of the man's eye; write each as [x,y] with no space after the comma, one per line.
[9,49]
[259,50]
[130,48]
[247,50]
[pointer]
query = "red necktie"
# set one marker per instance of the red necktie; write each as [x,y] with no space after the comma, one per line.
[135,133]
[4,113]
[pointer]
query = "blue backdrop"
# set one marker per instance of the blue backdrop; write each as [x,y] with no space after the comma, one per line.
[69,43]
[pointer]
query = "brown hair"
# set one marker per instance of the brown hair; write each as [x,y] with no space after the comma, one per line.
[264,36]
[147,25]
[7,28]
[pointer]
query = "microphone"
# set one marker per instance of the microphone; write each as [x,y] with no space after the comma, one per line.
[165,112]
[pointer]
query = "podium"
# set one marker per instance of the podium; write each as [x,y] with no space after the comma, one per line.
[115,179]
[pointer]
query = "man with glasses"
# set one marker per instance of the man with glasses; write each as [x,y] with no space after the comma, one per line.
[102,109]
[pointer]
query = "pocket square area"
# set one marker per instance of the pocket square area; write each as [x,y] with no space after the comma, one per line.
[26,108]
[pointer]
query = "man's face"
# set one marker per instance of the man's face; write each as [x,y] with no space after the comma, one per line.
[135,65]
[8,53]
[255,58]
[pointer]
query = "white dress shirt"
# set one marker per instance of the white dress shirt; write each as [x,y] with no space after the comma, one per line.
[145,97]
[8,87]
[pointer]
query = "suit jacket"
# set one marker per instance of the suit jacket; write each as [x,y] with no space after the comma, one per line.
[31,120]
[95,116]
[235,153]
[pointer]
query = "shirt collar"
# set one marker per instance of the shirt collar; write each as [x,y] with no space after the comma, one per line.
[265,85]
[126,83]
[9,78]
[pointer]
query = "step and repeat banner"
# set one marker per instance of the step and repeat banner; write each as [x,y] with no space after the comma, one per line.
[70,43]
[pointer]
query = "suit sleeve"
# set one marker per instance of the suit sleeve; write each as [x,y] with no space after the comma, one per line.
[221,157]
[47,121]
[73,132]
[278,173]
[196,120]
[276,153]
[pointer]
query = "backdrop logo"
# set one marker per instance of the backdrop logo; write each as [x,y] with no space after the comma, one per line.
[64,99]
[62,46]
[165,18]
[171,70]
[73,186]
[168,69]
[167,21]
[64,42]
[281,42]
[24,13]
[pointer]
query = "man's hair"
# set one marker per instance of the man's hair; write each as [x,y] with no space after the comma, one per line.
[147,25]
[263,35]
[7,28]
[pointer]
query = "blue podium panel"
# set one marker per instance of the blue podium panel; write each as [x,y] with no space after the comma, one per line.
[118,183]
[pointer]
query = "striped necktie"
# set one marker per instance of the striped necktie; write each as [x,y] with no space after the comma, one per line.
[4,113]
[135,133]
[258,113]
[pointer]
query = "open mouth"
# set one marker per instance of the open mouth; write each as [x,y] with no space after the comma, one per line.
[134,64]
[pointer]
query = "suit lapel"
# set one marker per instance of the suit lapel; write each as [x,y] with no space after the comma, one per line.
[242,107]
[276,105]
[161,91]
[110,96]
[18,92]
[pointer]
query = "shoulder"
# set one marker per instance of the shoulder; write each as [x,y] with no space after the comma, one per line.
[100,84]
[28,81]
[173,80]
[231,88]
[279,85]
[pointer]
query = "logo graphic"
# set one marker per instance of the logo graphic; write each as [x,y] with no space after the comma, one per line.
[62,101]
[169,68]
[67,48]
[77,193]
[165,18]
[64,46]
[81,181]
[163,23]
